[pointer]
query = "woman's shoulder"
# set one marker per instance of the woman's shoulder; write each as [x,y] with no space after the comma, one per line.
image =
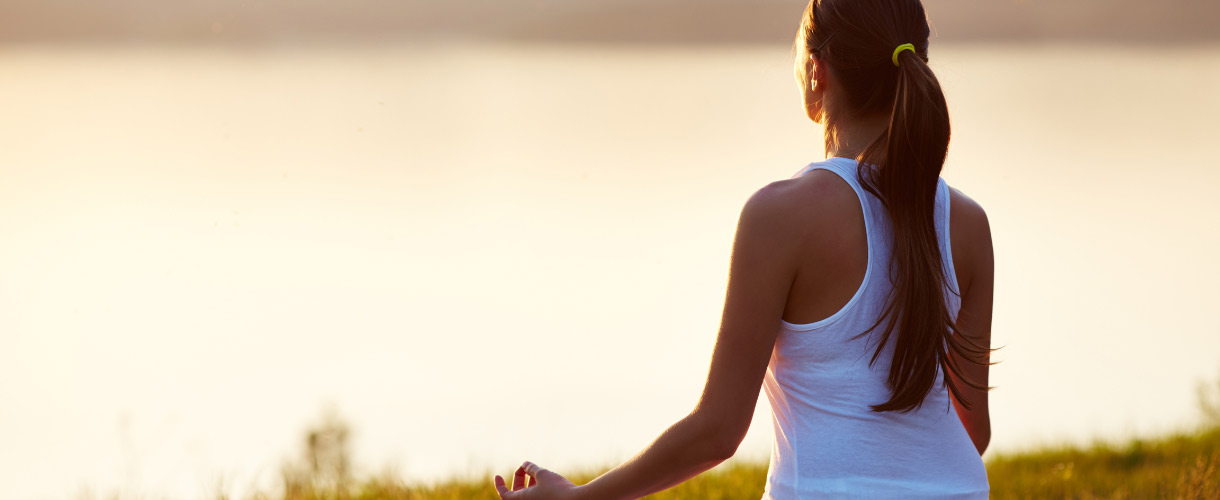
[970,235]
[962,203]
[812,203]
[967,217]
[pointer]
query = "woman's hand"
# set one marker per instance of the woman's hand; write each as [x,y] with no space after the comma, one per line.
[543,485]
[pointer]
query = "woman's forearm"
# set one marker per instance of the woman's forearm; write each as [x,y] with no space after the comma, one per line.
[686,449]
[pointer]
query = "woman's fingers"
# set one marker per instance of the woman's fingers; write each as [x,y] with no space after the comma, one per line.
[525,476]
[532,469]
[501,488]
[519,479]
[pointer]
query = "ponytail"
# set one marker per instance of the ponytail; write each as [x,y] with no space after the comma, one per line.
[901,168]
[906,163]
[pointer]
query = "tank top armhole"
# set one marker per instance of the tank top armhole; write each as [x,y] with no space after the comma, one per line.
[850,179]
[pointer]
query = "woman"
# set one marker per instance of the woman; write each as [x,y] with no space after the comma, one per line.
[859,296]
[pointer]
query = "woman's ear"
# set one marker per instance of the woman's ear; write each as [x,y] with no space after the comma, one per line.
[814,84]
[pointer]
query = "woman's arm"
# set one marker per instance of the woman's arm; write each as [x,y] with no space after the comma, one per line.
[760,274]
[973,236]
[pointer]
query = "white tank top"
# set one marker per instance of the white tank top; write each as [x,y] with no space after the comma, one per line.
[828,441]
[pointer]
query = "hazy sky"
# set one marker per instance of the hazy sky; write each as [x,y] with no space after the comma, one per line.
[637,21]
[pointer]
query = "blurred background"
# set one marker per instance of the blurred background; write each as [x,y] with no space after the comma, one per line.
[494,230]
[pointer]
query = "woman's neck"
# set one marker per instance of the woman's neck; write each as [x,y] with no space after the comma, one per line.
[849,138]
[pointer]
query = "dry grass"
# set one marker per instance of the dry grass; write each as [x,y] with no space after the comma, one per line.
[1182,466]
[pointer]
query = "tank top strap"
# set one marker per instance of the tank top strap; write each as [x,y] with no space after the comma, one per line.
[943,201]
[846,169]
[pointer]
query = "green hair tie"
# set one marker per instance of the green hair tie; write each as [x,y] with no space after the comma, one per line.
[905,46]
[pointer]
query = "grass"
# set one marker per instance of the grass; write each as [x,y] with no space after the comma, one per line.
[1181,466]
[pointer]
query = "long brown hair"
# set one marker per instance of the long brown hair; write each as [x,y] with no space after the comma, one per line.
[857,39]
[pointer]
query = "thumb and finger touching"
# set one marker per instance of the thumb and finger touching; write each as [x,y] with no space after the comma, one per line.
[527,475]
